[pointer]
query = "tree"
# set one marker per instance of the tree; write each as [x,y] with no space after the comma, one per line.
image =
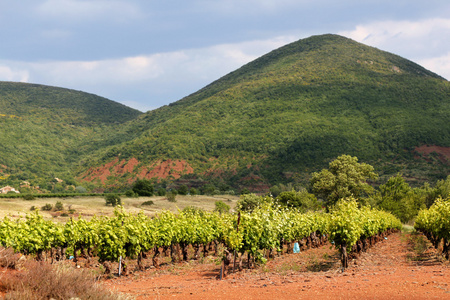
[249,202]
[183,190]
[113,199]
[398,198]
[301,200]
[395,188]
[143,187]
[344,177]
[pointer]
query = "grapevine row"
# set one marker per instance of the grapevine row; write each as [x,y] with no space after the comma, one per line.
[355,229]
[434,223]
[265,230]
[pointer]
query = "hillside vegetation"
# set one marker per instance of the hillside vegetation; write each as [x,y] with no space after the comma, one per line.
[45,130]
[289,113]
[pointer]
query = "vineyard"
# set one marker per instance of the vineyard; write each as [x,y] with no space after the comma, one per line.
[257,235]
[435,224]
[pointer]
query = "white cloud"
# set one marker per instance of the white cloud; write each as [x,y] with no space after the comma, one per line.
[439,65]
[158,78]
[10,74]
[182,66]
[423,41]
[416,37]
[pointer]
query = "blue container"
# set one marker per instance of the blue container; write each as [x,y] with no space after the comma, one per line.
[296,248]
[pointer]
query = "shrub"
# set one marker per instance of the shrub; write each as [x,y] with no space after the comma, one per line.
[193,191]
[245,191]
[221,207]
[208,189]
[161,192]
[183,190]
[80,190]
[8,258]
[301,200]
[143,187]
[171,196]
[150,202]
[28,197]
[131,194]
[192,210]
[248,202]
[41,280]
[113,199]
[47,207]
[58,206]
[230,192]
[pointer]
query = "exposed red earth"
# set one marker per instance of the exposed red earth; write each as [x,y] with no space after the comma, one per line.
[158,169]
[442,152]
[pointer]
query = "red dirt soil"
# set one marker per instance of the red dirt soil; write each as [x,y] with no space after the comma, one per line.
[158,169]
[443,152]
[389,270]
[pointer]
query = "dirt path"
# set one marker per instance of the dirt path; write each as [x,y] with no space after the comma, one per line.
[390,270]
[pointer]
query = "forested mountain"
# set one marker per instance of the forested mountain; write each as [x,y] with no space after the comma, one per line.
[278,119]
[45,130]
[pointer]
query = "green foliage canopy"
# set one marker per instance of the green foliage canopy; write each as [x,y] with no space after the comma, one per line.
[143,187]
[345,177]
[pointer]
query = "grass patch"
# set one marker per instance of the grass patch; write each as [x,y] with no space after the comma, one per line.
[41,280]
[417,244]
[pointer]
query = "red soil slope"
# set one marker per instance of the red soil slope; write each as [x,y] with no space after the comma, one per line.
[443,152]
[158,169]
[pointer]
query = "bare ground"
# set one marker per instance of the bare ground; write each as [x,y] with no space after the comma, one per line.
[392,269]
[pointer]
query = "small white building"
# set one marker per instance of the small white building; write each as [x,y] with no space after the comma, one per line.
[7,189]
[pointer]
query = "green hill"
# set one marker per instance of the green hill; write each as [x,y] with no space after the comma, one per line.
[289,113]
[45,130]
[276,119]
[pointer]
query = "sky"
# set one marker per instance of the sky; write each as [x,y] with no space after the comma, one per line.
[148,53]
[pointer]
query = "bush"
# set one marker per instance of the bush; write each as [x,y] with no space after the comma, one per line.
[131,194]
[193,191]
[162,192]
[143,187]
[41,280]
[28,197]
[195,211]
[230,192]
[8,258]
[147,203]
[245,191]
[208,189]
[248,202]
[58,206]
[47,207]
[80,190]
[113,199]
[183,190]
[301,200]
[221,207]
[171,196]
